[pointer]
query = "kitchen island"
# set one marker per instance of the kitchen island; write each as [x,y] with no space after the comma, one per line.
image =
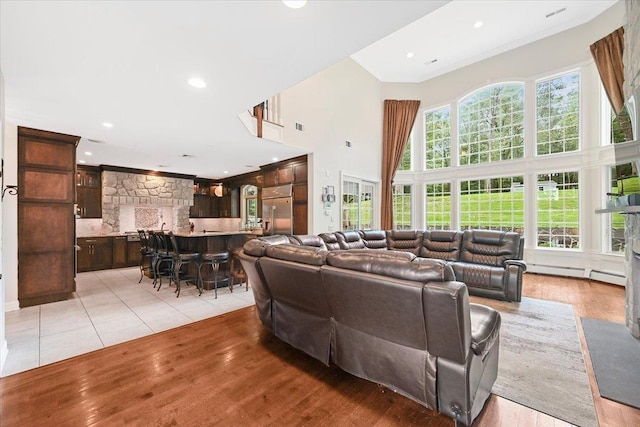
[211,242]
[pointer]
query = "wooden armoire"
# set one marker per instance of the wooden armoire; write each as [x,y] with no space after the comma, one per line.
[46,216]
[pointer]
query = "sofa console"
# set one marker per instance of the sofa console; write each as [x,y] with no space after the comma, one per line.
[389,316]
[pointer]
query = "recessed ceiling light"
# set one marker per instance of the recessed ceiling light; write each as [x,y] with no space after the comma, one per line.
[196,82]
[294,4]
[107,124]
[478,24]
[225,172]
[82,161]
[163,166]
[275,159]
[88,153]
[410,55]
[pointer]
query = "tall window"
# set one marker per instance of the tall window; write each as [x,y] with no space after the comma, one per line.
[557,114]
[405,163]
[249,212]
[402,207]
[491,124]
[437,137]
[558,210]
[492,203]
[357,204]
[624,180]
[438,209]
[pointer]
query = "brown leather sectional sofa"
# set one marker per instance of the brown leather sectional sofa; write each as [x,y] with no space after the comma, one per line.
[489,262]
[389,316]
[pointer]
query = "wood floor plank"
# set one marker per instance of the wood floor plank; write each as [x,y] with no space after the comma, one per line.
[229,370]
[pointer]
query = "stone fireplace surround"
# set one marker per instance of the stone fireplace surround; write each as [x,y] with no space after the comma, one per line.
[121,188]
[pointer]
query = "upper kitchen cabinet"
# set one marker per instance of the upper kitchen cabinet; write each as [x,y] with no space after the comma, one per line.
[46,224]
[89,191]
[203,202]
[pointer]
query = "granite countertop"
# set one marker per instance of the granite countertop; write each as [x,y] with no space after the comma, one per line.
[215,233]
[194,234]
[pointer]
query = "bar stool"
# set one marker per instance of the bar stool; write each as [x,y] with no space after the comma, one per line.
[237,272]
[214,260]
[180,259]
[162,262]
[147,253]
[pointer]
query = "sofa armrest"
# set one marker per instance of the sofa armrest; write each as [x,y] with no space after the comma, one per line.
[485,328]
[516,262]
[448,320]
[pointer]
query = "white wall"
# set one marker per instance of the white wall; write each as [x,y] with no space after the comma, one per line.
[10,220]
[3,342]
[562,52]
[341,103]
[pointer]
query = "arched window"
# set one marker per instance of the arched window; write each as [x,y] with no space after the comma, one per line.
[491,124]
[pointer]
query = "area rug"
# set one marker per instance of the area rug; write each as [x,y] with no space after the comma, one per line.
[615,356]
[541,364]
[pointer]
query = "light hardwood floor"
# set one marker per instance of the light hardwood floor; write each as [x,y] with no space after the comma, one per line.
[229,370]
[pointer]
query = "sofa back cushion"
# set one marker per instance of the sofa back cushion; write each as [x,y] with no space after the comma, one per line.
[309,240]
[489,247]
[330,241]
[296,253]
[374,239]
[350,240]
[404,240]
[441,244]
[258,246]
[399,265]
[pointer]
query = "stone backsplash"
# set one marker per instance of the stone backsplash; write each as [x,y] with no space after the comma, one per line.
[128,189]
[631,54]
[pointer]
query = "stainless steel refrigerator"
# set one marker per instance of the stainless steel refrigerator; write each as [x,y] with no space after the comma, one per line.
[277,211]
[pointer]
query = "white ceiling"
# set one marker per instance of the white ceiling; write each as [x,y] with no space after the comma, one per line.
[69,66]
[448,35]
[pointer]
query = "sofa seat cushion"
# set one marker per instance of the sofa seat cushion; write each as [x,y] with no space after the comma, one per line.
[485,328]
[479,276]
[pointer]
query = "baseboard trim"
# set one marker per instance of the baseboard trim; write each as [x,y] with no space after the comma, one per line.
[11,306]
[613,278]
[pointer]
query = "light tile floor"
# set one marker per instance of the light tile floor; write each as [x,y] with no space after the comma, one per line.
[109,307]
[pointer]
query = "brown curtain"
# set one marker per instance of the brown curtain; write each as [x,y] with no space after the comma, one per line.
[607,53]
[398,121]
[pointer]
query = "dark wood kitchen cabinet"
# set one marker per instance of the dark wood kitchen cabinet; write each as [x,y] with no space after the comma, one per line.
[95,253]
[203,200]
[133,253]
[46,226]
[89,191]
[119,252]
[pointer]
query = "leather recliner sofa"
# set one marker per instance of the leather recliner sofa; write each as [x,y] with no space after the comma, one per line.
[386,316]
[489,262]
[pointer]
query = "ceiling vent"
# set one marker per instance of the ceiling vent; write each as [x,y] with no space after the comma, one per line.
[299,127]
[187,155]
[96,141]
[549,15]
[347,144]
[433,61]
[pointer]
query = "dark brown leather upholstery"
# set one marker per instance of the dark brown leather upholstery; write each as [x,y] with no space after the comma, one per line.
[441,244]
[374,239]
[330,241]
[489,264]
[405,240]
[301,315]
[309,240]
[350,240]
[385,316]
[250,256]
